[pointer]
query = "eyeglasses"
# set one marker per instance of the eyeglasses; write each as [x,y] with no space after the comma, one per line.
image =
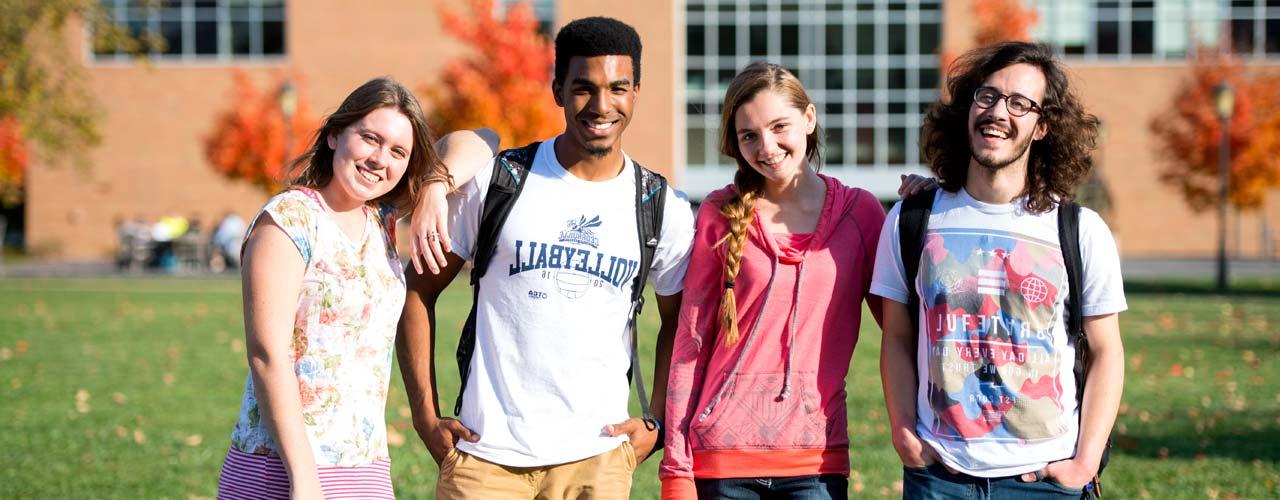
[1018,105]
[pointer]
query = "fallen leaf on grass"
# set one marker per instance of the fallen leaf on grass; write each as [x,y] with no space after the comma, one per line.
[1135,361]
[82,401]
[237,345]
[121,431]
[395,438]
[1175,370]
[139,436]
[119,398]
[5,354]
[22,346]
[193,440]
[168,379]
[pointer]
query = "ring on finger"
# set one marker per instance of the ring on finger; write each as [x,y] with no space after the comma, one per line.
[433,236]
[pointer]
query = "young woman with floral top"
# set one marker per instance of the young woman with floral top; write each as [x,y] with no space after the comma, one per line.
[323,290]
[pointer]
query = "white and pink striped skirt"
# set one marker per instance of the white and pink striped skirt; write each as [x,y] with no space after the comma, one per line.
[251,477]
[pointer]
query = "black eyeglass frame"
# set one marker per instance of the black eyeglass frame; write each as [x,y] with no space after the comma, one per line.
[1007,98]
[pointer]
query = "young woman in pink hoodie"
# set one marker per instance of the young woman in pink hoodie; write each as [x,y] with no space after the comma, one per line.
[780,266]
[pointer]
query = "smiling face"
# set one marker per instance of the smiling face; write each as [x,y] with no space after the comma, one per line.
[772,135]
[998,139]
[371,155]
[597,94]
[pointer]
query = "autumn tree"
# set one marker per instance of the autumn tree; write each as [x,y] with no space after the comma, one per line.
[996,21]
[46,111]
[1188,134]
[250,141]
[505,83]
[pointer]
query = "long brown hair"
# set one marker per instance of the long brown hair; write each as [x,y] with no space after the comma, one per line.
[314,168]
[747,183]
[1058,161]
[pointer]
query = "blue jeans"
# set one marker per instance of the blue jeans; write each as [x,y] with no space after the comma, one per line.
[823,487]
[935,482]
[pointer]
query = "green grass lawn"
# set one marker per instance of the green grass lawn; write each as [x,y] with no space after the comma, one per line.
[127,388]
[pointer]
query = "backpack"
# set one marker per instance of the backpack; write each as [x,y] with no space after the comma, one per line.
[913,222]
[510,169]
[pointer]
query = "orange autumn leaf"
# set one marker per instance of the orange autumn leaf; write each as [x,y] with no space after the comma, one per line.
[504,84]
[248,139]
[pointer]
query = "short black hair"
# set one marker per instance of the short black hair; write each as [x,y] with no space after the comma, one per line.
[596,36]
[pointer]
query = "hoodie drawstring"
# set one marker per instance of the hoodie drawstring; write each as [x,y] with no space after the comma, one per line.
[791,335]
[746,346]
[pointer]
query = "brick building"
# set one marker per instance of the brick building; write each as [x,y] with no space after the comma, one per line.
[871,65]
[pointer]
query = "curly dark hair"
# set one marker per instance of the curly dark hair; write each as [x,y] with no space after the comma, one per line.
[596,36]
[1058,162]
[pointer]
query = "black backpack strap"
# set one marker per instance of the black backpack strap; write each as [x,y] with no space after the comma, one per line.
[651,198]
[913,222]
[510,169]
[1069,241]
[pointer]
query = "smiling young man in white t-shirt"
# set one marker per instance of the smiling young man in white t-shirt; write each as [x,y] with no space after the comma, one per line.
[544,413]
[982,397]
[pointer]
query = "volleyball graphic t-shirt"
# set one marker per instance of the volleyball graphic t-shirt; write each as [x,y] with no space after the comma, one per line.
[997,393]
[552,350]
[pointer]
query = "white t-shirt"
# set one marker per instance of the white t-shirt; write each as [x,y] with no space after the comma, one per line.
[552,350]
[997,395]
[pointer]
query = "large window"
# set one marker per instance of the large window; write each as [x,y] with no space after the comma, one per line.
[870,65]
[201,29]
[1160,29]
[543,10]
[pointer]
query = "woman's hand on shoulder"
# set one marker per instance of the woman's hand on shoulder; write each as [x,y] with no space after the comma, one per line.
[915,183]
[429,229]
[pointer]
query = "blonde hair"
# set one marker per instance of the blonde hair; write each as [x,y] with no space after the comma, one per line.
[747,183]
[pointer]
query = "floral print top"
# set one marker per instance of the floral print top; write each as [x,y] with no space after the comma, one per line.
[343,333]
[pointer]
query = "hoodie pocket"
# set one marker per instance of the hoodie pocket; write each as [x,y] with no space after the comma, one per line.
[751,414]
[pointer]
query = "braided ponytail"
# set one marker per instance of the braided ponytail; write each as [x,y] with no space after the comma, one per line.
[741,212]
[749,184]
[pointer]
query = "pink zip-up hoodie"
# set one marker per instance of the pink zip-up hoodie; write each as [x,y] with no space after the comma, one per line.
[773,404]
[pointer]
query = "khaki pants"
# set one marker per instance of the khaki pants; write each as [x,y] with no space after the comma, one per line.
[604,476]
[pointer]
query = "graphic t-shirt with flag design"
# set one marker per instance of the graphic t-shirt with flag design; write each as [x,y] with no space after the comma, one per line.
[997,393]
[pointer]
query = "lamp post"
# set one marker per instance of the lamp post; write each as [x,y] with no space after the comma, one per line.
[288,105]
[1224,99]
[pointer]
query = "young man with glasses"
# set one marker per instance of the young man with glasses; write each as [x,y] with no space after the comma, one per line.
[980,388]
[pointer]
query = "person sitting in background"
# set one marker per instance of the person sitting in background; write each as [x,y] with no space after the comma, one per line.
[225,241]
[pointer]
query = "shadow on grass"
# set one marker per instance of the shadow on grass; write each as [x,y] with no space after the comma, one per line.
[1237,439]
[1241,288]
